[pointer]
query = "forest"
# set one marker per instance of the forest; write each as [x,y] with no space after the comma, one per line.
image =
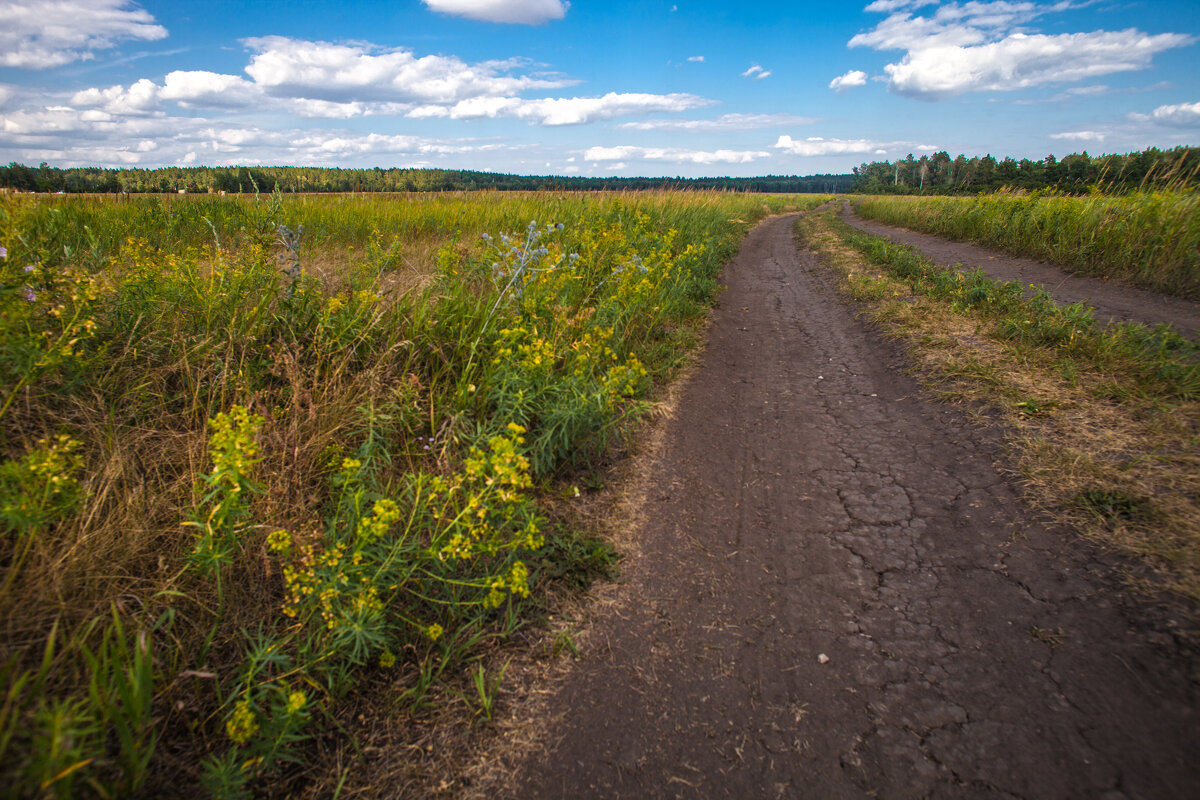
[939,173]
[1077,173]
[234,180]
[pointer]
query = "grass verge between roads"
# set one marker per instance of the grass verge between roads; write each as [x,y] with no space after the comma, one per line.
[1103,421]
[1147,239]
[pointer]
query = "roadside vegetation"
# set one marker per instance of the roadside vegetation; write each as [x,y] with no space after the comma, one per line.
[258,451]
[1102,420]
[1147,239]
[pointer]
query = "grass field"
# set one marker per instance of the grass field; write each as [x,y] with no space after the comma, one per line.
[1147,239]
[257,450]
[1101,420]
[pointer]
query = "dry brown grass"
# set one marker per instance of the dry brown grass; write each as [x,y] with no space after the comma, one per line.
[1122,472]
[142,484]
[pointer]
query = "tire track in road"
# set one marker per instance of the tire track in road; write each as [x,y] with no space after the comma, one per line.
[836,592]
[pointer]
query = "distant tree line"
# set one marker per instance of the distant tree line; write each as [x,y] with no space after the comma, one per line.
[232,180]
[1076,173]
[929,174]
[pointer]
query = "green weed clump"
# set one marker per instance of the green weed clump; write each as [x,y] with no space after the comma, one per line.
[1147,239]
[231,487]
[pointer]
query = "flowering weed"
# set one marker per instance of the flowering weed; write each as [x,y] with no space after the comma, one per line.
[359,463]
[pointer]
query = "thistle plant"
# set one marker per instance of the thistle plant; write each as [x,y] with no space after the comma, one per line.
[519,263]
[290,262]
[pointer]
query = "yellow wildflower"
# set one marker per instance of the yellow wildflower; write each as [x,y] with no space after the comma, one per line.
[242,724]
[296,701]
[279,541]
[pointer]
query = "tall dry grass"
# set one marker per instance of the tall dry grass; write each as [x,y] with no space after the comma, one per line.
[228,489]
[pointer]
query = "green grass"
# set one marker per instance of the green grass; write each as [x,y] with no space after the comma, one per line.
[230,490]
[1147,239]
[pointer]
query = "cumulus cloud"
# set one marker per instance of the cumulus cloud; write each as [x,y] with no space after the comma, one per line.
[523,12]
[675,155]
[341,72]
[39,34]
[756,72]
[70,137]
[885,6]
[194,88]
[1182,115]
[1079,136]
[209,89]
[725,122]
[1020,61]
[818,146]
[139,98]
[986,46]
[553,111]
[855,77]
[322,80]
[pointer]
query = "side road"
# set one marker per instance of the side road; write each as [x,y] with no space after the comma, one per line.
[836,593]
[1112,301]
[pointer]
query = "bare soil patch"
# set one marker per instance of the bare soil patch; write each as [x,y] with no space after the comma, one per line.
[837,591]
[1112,301]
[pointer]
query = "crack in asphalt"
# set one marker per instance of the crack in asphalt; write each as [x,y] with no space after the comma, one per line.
[829,597]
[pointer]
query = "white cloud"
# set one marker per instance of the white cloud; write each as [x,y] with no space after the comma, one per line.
[195,88]
[321,80]
[984,46]
[817,146]
[1088,91]
[696,59]
[1020,61]
[884,6]
[568,110]
[343,72]
[524,12]
[855,77]
[1183,115]
[725,122]
[672,154]
[38,34]
[70,137]
[140,98]
[1079,136]
[209,89]
[756,72]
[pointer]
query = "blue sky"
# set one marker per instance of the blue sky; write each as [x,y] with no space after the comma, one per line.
[587,88]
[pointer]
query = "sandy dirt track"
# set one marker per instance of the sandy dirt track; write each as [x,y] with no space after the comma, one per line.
[836,593]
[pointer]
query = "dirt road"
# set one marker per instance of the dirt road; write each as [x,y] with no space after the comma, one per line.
[1112,301]
[836,594]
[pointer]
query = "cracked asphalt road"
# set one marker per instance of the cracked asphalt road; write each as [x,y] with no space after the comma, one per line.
[836,593]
